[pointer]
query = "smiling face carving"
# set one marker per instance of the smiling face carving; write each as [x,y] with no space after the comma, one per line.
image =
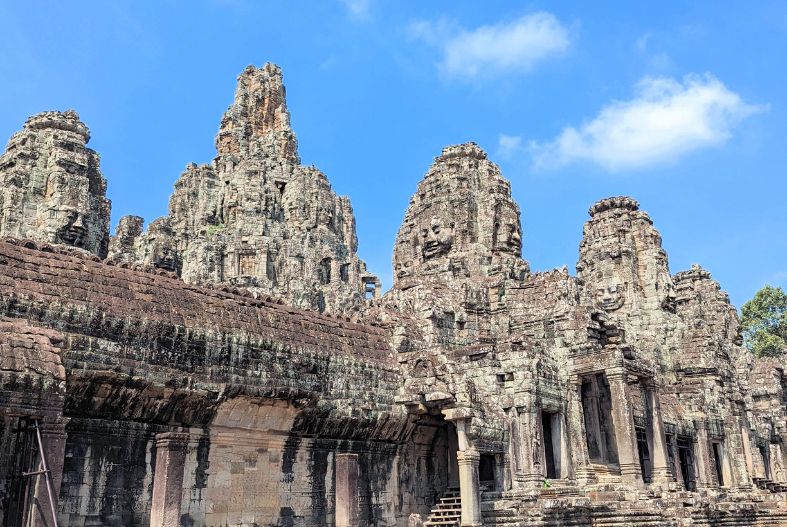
[436,239]
[610,296]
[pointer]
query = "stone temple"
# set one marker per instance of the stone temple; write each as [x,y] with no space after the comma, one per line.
[235,364]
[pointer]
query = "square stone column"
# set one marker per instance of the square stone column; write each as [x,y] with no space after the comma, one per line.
[623,420]
[530,444]
[171,449]
[53,439]
[736,455]
[346,490]
[469,488]
[661,473]
[580,470]
[704,459]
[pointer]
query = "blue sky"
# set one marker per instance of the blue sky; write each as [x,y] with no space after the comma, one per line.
[681,105]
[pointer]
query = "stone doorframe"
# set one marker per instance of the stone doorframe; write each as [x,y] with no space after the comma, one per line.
[618,370]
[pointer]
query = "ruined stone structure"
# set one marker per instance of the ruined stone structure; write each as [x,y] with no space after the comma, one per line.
[51,187]
[255,217]
[226,368]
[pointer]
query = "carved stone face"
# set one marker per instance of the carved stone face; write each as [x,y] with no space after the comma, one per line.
[73,231]
[436,239]
[508,239]
[403,269]
[507,234]
[164,256]
[610,295]
[666,291]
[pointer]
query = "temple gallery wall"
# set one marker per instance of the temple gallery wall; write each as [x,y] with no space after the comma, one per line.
[234,363]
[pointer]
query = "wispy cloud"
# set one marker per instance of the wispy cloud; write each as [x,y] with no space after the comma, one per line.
[357,8]
[510,46]
[665,120]
[508,146]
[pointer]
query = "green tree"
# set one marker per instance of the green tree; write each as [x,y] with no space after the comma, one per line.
[764,322]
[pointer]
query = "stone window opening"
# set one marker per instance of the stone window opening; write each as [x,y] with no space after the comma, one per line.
[324,271]
[765,455]
[344,273]
[645,462]
[717,452]
[280,186]
[597,413]
[486,472]
[270,268]
[688,477]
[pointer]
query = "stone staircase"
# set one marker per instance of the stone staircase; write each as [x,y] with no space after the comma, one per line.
[447,512]
[769,485]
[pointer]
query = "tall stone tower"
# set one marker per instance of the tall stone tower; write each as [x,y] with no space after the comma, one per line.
[459,245]
[255,217]
[51,187]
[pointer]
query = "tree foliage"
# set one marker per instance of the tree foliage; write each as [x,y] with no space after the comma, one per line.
[764,322]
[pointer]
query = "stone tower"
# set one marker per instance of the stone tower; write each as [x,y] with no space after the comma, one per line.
[458,246]
[51,187]
[255,217]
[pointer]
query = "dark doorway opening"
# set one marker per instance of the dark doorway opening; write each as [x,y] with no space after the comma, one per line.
[717,462]
[548,436]
[486,471]
[23,458]
[597,411]
[765,459]
[686,462]
[644,454]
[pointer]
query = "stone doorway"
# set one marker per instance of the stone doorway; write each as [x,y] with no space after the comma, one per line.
[718,456]
[551,434]
[643,449]
[487,472]
[452,447]
[597,412]
[766,462]
[22,458]
[686,462]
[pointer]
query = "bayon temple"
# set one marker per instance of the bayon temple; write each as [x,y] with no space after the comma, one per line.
[235,363]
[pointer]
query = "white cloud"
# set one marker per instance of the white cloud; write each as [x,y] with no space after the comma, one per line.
[515,46]
[666,120]
[508,146]
[357,8]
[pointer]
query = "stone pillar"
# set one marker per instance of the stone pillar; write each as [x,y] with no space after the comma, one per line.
[580,471]
[53,438]
[171,448]
[468,487]
[623,420]
[661,473]
[530,443]
[704,459]
[736,455]
[346,490]
[746,441]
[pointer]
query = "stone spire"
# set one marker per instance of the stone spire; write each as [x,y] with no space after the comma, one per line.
[51,186]
[258,119]
[255,218]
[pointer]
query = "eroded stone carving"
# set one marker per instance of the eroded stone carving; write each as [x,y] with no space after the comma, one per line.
[255,217]
[51,187]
